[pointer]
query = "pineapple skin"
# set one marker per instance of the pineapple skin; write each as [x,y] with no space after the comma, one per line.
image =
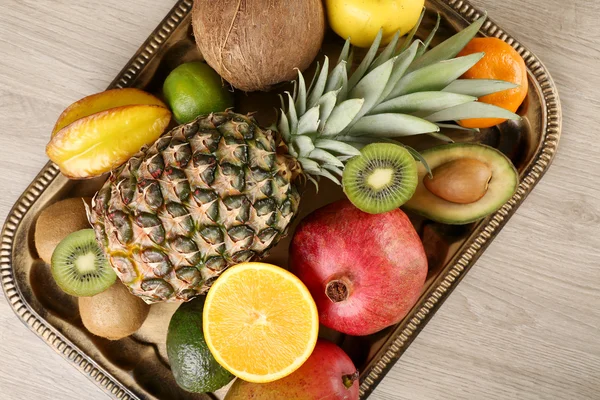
[206,195]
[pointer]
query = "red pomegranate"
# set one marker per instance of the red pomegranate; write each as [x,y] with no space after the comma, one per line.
[327,374]
[365,271]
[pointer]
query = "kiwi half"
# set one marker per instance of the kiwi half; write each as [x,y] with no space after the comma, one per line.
[79,266]
[381,178]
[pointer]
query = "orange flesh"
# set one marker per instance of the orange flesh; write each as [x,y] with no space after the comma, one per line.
[260,322]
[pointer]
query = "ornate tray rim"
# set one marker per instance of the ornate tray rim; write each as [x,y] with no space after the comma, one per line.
[430,302]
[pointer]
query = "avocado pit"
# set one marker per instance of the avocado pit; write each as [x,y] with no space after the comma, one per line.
[460,176]
[461,181]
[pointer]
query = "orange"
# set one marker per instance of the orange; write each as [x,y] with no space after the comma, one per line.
[260,322]
[501,62]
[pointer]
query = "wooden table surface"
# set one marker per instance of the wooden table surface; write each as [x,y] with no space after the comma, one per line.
[525,323]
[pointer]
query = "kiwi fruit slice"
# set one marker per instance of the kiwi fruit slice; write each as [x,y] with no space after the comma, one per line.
[381,178]
[79,266]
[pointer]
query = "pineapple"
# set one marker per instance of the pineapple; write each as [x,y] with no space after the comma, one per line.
[221,190]
[207,195]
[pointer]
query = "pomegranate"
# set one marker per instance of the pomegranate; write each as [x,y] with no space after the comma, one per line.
[365,271]
[327,374]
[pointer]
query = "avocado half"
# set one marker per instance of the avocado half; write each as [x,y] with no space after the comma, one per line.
[502,185]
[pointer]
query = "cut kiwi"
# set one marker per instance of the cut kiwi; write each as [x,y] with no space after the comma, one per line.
[79,266]
[381,178]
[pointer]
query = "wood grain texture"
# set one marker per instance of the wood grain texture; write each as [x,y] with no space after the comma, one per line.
[523,324]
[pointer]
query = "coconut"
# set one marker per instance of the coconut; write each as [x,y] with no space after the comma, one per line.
[255,44]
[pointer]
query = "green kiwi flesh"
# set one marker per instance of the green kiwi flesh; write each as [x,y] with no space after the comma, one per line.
[79,266]
[382,178]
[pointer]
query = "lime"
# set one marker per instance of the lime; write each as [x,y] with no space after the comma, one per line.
[194,89]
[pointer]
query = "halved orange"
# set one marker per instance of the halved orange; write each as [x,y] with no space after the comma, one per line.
[260,322]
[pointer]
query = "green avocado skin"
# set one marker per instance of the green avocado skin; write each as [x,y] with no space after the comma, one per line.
[192,363]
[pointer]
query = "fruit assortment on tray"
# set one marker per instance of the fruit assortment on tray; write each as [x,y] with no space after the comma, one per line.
[185,215]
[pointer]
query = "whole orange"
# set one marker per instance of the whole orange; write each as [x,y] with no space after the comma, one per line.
[501,62]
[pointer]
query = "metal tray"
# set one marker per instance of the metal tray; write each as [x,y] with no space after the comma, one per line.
[136,367]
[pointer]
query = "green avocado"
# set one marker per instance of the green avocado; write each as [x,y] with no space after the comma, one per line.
[501,187]
[193,366]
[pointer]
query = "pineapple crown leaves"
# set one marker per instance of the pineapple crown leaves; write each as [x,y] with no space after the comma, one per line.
[402,91]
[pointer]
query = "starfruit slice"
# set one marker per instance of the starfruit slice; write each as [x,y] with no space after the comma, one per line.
[103,101]
[102,141]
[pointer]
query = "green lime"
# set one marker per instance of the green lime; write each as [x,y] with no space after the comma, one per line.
[194,89]
[192,363]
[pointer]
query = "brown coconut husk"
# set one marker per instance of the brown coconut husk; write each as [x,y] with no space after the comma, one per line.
[255,44]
